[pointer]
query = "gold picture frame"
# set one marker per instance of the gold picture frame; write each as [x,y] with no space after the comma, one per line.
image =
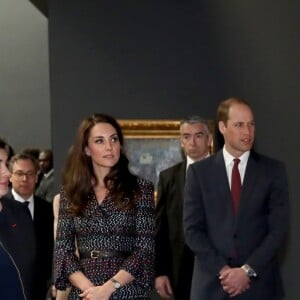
[143,129]
[152,145]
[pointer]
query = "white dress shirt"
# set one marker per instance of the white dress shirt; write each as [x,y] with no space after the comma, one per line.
[228,158]
[22,200]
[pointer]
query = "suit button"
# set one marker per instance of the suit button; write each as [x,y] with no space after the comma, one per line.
[235,236]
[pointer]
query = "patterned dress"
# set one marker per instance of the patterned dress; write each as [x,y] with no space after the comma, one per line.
[105,227]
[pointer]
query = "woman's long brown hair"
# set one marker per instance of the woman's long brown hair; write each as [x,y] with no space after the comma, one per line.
[78,177]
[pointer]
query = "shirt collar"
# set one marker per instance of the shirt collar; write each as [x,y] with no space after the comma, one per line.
[19,198]
[49,173]
[189,161]
[229,158]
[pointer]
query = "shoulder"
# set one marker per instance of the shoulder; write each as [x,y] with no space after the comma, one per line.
[8,197]
[145,184]
[13,210]
[209,162]
[42,204]
[266,161]
[146,194]
[173,169]
[9,203]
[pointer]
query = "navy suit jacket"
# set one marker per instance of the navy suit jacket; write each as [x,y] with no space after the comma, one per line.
[254,236]
[18,239]
[43,227]
[173,257]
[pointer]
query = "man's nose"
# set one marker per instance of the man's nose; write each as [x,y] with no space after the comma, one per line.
[193,140]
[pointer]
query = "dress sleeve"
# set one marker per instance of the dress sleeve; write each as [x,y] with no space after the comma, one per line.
[140,263]
[65,260]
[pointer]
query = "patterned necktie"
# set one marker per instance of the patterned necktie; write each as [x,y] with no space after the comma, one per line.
[235,185]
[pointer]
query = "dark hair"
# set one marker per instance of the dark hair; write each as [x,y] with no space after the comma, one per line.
[197,120]
[48,157]
[8,148]
[48,153]
[35,152]
[78,177]
[24,156]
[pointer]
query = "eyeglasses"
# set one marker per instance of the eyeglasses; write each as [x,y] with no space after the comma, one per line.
[21,174]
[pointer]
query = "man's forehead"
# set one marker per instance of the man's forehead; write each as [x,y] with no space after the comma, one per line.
[44,156]
[20,164]
[192,127]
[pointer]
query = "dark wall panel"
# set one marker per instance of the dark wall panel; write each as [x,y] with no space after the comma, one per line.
[169,59]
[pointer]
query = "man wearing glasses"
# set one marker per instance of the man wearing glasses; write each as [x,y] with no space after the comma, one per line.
[24,169]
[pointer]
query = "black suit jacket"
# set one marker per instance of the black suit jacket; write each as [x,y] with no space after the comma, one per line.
[218,238]
[43,227]
[173,257]
[18,238]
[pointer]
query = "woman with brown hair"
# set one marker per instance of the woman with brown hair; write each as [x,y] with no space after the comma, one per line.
[110,212]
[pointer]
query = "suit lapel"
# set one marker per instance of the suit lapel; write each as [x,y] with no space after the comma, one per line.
[10,195]
[181,177]
[178,181]
[222,185]
[249,184]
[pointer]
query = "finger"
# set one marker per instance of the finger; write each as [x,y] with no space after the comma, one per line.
[227,289]
[169,290]
[162,294]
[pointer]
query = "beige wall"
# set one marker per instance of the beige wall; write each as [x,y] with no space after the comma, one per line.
[24,75]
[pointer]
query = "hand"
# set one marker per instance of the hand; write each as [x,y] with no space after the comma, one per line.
[53,291]
[234,281]
[101,292]
[163,287]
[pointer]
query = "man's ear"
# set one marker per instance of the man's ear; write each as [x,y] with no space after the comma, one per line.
[221,126]
[210,139]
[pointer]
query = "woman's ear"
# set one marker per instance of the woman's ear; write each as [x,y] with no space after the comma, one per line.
[87,151]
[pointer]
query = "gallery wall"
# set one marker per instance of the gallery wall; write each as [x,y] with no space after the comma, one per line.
[170,59]
[24,76]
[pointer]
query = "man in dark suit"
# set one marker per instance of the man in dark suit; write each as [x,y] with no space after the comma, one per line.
[236,244]
[174,260]
[45,189]
[17,240]
[24,170]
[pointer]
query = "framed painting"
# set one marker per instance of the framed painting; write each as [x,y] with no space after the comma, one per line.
[151,146]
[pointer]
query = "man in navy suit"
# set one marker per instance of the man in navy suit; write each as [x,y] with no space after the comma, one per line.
[24,169]
[174,260]
[235,251]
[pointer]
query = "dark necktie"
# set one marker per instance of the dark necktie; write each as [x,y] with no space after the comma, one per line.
[26,206]
[235,185]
